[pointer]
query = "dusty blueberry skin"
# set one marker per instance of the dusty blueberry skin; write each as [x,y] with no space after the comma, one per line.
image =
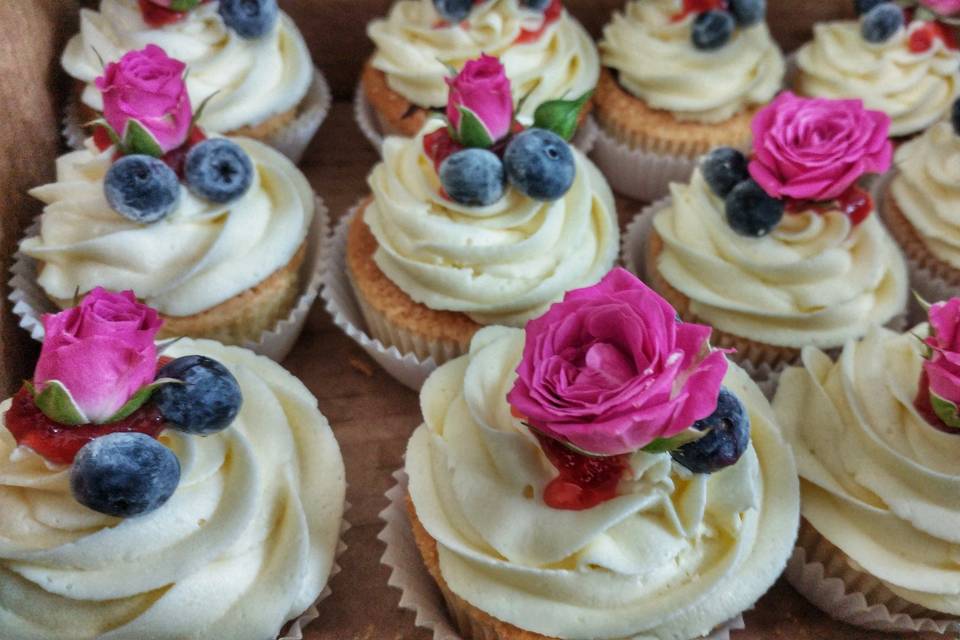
[712,29]
[141,188]
[540,164]
[723,169]
[727,440]
[124,475]
[453,10]
[206,402]
[864,6]
[748,12]
[473,177]
[750,211]
[880,23]
[249,18]
[536,5]
[218,170]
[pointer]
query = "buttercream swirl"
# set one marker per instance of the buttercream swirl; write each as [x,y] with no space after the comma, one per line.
[246,542]
[197,257]
[254,79]
[673,556]
[500,264]
[415,53]
[914,88]
[927,189]
[877,480]
[657,62]
[816,279]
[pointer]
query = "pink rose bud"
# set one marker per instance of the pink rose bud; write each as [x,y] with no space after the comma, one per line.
[610,369]
[816,149]
[942,7]
[943,366]
[102,351]
[482,89]
[147,86]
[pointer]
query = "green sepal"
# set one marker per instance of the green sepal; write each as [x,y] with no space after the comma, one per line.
[923,303]
[56,403]
[924,14]
[664,445]
[137,139]
[140,398]
[111,132]
[203,105]
[947,411]
[183,5]
[473,133]
[561,116]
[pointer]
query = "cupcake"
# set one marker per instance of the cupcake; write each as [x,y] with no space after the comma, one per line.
[562,486]
[876,440]
[906,67]
[678,79]
[781,251]
[547,53]
[120,521]
[477,221]
[247,59]
[211,232]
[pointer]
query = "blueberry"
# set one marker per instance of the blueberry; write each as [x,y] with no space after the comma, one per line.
[750,211]
[723,169]
[453,11]
[218,170]
[729,437]
[712,29]
[536,5]
[249,18]
[864,6]
[141,188]
[880,23]
[748,12]
[955,116]
[207,401]
[540,164]
[473,177]
[124,475]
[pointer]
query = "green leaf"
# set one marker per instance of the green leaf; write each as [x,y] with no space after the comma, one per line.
[561,116]
[183,5]
[203,105]
[473,133]
[663,445]
[947,411]
[57,404]
[137,139]
[138,399]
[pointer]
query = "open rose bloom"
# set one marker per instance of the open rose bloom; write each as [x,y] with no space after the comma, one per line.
[942,7]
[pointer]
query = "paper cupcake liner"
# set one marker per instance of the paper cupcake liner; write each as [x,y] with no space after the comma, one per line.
[830,580]
[373,128]
[419,593]
[30,302]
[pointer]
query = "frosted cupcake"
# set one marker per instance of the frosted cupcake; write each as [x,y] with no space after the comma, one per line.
[680,78]
[907,67]
[781,251]
[210,232]
[546,52]
[875,435]
[247,58]
[478,221]
[121,521]
[561,485]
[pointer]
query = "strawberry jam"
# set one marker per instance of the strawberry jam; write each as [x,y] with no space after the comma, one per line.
[550,15]
[439,146]
[176,157]
[157,16]
[854,202]
[584,481]
[698,6]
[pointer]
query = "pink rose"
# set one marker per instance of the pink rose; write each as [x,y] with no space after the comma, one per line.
[942,7]
[102,351]
[816,149]
[611,368]
[147,86]
[943,367]
[482,88]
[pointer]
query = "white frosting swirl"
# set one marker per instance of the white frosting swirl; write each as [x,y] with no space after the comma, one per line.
[658,63]
[927,189]
[816,279]
[246,542]
[254,79]
[415,53]
[197,257]
[499,264]
[673,556]
[877,480]
[914,89]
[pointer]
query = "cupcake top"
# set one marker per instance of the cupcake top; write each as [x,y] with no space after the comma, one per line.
[499,232]
[640,537]
[878,466]
[126,535]
[673,60]
[783,250]
[250,71]
[908,70]
[547,53]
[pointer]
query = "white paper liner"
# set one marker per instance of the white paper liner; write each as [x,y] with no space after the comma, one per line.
[418,592]
[342,306]
[372,128]
[30,302]
[291,139]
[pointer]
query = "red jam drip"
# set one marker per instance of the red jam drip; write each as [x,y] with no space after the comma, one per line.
[439,146]
[854,202]
[584,481]
[698,6]
[157,16]
[550,15]
[923,38]
[173,158]
[925,407]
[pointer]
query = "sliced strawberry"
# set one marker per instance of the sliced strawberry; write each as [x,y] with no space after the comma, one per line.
[101,138]
[439,146]
[583,481]
[157,16]
[698,6]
